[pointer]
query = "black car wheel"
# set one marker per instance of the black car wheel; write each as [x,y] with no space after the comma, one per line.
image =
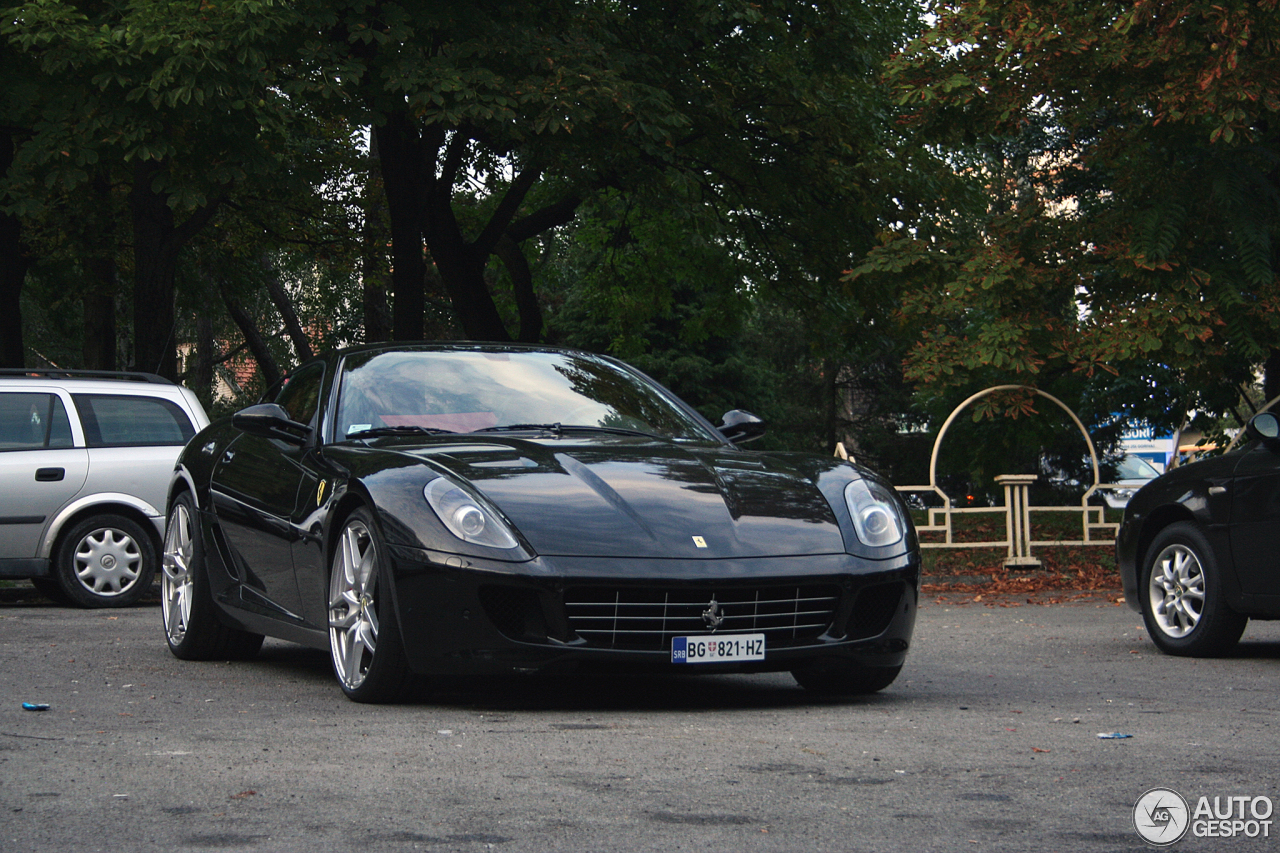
[191,625]
[1183,601]
[105,561]
[364,637]
[845,679]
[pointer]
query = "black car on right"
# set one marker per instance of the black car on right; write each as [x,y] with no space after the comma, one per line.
[1199,547]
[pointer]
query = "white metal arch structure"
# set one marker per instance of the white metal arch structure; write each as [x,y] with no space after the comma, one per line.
[937,442]
[1017,512]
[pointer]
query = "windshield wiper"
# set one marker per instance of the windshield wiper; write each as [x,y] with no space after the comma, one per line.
[398,430]
[558,428]
[519,428]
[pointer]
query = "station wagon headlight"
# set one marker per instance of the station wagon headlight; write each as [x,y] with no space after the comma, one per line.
[466,518]
[877,519]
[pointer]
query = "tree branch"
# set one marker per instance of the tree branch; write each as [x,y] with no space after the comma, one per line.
[511,201]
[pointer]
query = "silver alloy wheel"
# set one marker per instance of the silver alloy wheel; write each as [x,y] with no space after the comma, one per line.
[107,561]
[353,611]
[1177,590]
[175,581]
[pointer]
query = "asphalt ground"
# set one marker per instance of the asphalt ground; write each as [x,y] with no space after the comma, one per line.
[988,741]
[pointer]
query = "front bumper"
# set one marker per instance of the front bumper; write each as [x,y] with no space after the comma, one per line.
[464,616]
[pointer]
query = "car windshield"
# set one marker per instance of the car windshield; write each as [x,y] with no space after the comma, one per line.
[488,391]
[1136,468]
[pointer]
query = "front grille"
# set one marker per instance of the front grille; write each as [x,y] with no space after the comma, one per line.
[647,618]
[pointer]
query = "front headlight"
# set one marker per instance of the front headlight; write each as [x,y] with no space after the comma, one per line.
[877,519]
[466,518]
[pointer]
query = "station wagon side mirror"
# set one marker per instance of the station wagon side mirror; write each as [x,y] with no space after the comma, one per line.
[269,420]
[1266,427]
[740,427]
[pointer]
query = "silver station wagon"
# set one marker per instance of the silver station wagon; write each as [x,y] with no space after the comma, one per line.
[85,462]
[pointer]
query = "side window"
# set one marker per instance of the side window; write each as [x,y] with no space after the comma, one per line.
[33,422]
[300,396]
[118,420]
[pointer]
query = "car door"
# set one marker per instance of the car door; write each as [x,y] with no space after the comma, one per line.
[1255,520]
[256,489]
[41,470]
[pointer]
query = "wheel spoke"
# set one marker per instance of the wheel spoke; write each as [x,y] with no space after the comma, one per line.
[1176,591]
[369,631]
[175,574]
[342,621]
[353,622]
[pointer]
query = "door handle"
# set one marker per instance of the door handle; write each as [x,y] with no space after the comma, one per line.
[1217,490]
[50,475]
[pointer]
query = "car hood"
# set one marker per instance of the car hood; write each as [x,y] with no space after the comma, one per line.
[620,496]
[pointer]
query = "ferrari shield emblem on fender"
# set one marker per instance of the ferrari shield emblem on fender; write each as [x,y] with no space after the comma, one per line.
[320,493]
[699,542]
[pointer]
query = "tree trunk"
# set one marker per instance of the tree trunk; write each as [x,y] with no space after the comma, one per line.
[13,271]
[522,283]
[400,153]
[155,257]
[257,344]
[292,325]
[157,239]
[419,172]
[1271,377]
[202,381]
[373,266]
[462,272]
[99,305]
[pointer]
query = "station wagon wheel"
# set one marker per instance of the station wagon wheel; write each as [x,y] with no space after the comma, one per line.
[364,638]
[1183,602]
[105,561]
[192,628]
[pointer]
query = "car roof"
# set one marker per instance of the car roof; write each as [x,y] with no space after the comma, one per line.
[78,378]
[117,383]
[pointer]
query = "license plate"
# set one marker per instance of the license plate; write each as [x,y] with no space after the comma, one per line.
[724,648]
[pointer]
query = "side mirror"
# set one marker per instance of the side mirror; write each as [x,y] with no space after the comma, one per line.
[1264,426]
[269,420]
[740,427]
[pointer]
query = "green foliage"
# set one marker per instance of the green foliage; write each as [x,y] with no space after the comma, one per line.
[179,83]
[1126,155]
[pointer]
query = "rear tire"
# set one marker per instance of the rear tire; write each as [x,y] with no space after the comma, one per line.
[845,679]
[105,561]
[192,627]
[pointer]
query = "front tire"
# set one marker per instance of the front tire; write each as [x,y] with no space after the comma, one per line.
[1184,604]
[364,636]
[105,561]
[191,624]
[845,679]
